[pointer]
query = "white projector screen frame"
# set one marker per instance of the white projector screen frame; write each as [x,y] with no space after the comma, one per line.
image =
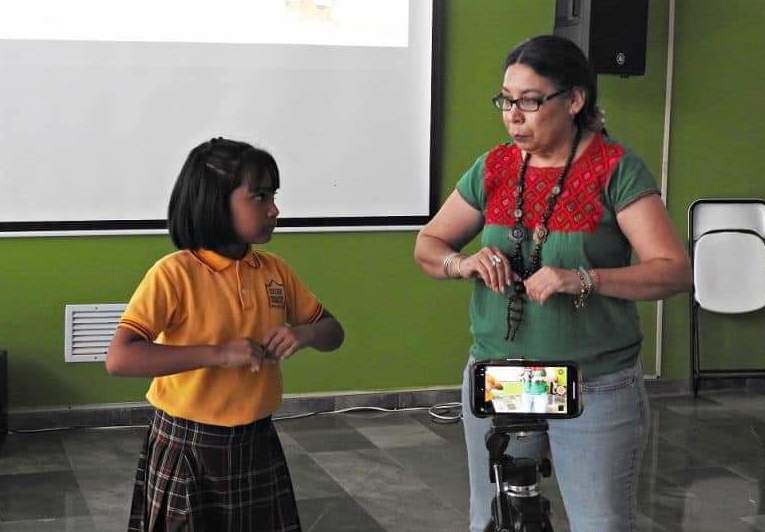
[96,128]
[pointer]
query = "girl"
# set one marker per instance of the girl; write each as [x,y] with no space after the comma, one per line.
[210,323]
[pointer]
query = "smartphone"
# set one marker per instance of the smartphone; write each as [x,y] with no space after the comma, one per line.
[525,389]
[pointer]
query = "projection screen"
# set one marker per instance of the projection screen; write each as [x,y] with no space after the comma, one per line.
[100,102]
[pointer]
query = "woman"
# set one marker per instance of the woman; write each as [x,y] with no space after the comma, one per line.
[560,208]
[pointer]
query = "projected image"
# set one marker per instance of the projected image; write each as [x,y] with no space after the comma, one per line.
[317,10]
[526,390]
[328,86]
[314,22]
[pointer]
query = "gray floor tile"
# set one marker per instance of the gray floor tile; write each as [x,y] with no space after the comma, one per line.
[451,432]
[411,434]
[443,469]
[678,508]
[664,458]
[290,446]
[335,514]
[40,496]
[413,511]
[33,453]
[394,496]
[97,449]
[750,468]
[319,441]
[310,481]
[715,488]
[757,522]
[69,524]
[317,422]
[107,492]
[398,472]
[369,471]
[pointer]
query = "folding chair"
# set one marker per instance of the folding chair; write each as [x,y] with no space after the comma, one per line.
[727,251]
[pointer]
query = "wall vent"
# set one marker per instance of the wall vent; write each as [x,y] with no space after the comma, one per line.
[88,330]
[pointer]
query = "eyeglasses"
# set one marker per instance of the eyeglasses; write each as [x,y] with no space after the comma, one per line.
[527,104]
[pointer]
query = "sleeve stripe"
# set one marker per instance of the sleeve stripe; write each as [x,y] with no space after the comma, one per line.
[632,199]
[137,328]
[318,313]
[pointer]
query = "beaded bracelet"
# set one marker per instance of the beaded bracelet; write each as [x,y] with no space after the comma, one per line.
[585,288]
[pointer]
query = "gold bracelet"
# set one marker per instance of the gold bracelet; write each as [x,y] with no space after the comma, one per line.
[448,263]
[595,276]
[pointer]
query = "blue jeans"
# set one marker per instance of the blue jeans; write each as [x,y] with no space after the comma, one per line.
[596,456]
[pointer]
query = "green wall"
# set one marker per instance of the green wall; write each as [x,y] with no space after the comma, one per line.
[717,139]
[403,329]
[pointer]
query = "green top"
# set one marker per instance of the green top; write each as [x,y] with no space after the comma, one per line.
[535,383]
[604,336]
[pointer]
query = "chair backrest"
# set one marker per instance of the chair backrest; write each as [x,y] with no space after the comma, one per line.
[707,215]
[728,253]
[729,272]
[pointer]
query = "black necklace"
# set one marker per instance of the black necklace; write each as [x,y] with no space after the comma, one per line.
[518,233]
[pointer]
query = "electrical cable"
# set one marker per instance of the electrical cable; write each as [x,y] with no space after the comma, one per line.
[440,413]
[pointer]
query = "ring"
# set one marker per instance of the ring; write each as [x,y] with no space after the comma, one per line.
[495,260]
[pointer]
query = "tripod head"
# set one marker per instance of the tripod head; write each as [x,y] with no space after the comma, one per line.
[502,427]
[518,506]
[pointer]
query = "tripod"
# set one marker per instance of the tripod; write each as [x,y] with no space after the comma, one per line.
[518,505]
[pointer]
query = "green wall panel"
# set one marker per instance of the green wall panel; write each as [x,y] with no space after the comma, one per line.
[634,109]
[404,329]
[716,152]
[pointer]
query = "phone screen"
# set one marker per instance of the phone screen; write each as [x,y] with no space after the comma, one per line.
[530,390]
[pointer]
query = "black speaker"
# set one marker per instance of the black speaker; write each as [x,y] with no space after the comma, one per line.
[611,33]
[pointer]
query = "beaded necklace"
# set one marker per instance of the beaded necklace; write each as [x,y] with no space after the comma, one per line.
[518,233]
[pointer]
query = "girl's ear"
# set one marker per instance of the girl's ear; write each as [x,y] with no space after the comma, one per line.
[577,101]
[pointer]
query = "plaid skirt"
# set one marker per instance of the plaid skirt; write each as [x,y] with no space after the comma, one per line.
[194,477]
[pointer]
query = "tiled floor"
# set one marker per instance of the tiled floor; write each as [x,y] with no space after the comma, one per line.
[704,471]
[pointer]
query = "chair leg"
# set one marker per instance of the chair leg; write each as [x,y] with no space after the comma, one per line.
[695,362]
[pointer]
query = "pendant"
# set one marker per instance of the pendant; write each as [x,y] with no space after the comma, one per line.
[517,234]
[540,234]
[514,311]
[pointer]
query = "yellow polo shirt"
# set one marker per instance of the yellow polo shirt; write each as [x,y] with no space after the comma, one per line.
[203,298]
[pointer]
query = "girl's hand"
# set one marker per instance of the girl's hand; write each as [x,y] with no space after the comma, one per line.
[549,281]
[491,266]
[241,352]
[283,341]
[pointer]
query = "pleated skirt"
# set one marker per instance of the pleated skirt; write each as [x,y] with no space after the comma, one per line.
[194,477]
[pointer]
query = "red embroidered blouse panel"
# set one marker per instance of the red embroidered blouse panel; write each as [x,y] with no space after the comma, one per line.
[579,207]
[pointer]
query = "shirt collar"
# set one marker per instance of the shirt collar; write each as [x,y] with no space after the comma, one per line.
[217,262]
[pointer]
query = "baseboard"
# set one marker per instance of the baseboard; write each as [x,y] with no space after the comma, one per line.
[138,413]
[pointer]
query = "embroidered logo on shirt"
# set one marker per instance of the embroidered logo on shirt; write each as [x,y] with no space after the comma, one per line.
[275,294]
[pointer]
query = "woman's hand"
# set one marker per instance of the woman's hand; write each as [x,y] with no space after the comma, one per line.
[491,266]
[549,281]
[241,352]
[283,341]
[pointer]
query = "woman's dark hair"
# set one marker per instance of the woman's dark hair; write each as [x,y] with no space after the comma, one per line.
[562,62]
[199,215]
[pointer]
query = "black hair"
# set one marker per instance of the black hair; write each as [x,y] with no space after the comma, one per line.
[199,214]
[562,62]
